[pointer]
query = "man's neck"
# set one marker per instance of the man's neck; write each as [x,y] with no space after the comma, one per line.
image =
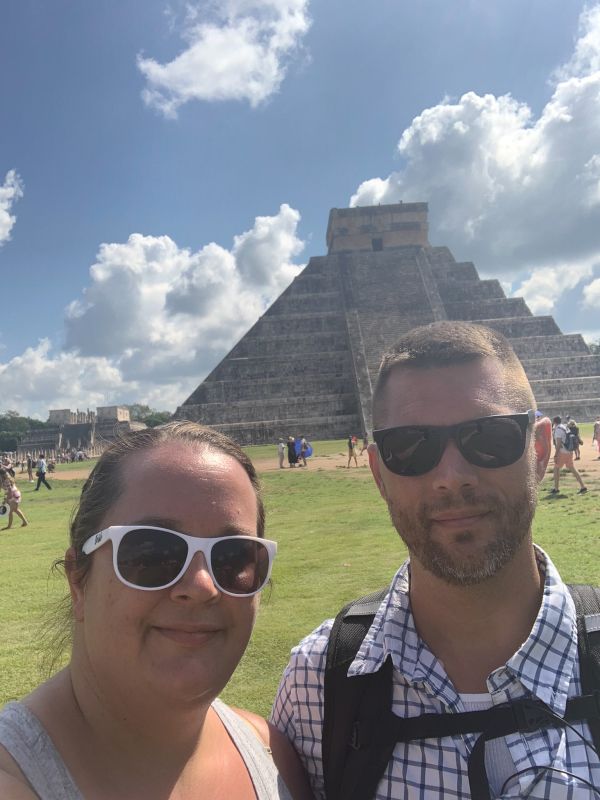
[473,630]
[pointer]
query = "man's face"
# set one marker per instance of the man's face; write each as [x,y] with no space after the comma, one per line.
[460,522]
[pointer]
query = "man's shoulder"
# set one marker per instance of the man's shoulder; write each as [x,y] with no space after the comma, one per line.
[312,650]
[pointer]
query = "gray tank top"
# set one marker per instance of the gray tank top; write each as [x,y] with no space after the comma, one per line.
[23,736]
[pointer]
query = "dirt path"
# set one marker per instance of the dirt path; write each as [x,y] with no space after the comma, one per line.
[589,462]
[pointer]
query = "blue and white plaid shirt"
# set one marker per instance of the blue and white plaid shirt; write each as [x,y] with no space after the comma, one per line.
[545,667]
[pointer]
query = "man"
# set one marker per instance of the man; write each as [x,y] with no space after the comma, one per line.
[563,457]
[478,616]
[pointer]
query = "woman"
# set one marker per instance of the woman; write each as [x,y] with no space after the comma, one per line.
[163,570]
[596,435]
[12,498]
[291,448]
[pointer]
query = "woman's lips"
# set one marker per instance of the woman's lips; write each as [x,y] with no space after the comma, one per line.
[189,637]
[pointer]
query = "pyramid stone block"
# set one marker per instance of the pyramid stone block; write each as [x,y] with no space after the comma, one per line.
[308,365]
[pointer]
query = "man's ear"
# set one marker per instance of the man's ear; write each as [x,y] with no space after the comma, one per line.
[375,465]
[543,445]
[76,584]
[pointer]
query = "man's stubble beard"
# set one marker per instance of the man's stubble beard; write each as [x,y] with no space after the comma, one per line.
[512,527]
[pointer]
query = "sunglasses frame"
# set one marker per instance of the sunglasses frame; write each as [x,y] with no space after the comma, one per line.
[195,544]
[446,432]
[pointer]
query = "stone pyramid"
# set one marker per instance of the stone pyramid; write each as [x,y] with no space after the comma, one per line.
[307,366]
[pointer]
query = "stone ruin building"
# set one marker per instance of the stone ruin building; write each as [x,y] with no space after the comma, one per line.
[308,365]
[86,431]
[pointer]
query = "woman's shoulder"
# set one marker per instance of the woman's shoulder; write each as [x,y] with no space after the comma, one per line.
[12,788]
[284,755]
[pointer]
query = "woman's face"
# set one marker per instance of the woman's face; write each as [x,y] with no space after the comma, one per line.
[185,641]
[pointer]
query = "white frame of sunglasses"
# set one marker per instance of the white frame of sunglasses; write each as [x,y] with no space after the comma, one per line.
[195,544]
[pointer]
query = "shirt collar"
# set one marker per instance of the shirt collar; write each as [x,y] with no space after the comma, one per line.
[543,664]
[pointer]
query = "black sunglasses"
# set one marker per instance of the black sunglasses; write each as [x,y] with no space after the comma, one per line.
[489,442]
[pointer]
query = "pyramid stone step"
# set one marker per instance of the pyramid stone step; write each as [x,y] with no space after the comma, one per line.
[566,388]
[313,303]
[275,324]
[473,291]
[560,368]
[581,409]
[557,346]
[297,344]
[487,309]
[234,391]
[519,327]
[279,408]
[284,367]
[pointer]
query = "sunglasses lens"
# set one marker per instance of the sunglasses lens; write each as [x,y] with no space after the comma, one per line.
[151,559]
[492,442]
[240,566]
[411,451]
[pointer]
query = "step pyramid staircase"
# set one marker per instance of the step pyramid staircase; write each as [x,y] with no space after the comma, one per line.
[308,365]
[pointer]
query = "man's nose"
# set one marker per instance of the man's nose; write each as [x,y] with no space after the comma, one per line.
[454,472]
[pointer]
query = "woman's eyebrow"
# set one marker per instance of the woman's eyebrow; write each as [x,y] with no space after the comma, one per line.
[163,522]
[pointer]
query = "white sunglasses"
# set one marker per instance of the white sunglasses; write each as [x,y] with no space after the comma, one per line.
[150,558]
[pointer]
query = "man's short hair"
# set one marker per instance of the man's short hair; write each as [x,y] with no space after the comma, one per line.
[445,344]
[556,420]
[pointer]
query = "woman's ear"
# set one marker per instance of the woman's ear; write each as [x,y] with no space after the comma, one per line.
[76,584]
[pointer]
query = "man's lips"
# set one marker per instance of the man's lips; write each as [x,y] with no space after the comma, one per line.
[458,518]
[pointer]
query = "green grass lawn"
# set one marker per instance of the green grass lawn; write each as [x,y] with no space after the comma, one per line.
[335,543]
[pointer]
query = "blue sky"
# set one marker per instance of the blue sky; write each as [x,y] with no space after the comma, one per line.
[167,168]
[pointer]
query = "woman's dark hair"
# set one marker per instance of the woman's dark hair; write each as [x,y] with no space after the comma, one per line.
[105,485]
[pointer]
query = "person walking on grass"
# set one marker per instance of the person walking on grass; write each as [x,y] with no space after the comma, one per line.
[596,435]
[42,468]
[564,447]
[477,619]
[352,444]
[12,498]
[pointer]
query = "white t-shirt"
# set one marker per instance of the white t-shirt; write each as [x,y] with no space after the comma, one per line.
[498,760]
[560,436]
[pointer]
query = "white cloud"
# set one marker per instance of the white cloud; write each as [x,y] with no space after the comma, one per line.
[155,318]
[544,287]
[510,191]
[591,294]
[237,50]
[10,191]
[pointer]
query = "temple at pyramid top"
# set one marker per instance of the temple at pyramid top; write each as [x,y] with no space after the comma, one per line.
[376,228]
[307,366]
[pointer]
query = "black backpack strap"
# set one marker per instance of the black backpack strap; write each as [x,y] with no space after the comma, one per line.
[587,605]
[343,695]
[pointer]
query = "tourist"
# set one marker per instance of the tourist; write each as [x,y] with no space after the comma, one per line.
[291,450]
[30,467]
[12,498]
[596,435]
[159,619]
[365,443]
[303,451]
[352,451]
[478,616]
[281,453]
[7,465]
[573,427]
[564,446]
[42,469]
